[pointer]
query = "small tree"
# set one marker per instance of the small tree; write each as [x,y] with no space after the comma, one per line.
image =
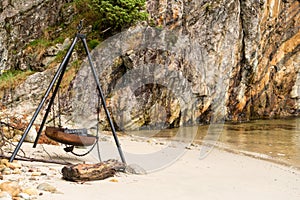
[118,14]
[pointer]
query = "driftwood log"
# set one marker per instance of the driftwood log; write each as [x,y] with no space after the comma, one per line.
[90,172]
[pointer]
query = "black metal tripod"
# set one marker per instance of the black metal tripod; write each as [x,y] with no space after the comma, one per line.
[57,79]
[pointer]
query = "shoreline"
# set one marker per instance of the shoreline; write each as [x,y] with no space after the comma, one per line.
[256,155]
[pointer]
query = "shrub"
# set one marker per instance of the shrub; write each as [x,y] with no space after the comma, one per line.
[93,43]
[118,14]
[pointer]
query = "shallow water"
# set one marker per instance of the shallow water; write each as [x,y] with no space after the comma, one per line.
[276,140]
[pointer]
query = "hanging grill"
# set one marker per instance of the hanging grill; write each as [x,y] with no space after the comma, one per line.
[75,137]
[71,137]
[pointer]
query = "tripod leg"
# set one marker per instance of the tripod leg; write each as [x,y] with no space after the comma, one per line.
[98,151]
[52,99]
[103,100]
[42,101]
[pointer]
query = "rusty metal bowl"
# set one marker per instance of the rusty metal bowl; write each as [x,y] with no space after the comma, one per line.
[76,137]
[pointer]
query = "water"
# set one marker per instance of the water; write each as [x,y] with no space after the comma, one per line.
[275,140]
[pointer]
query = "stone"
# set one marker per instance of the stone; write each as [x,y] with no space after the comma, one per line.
[7,171]
[4,194]
[12,188]
[33,178]
[24,196]
[2,167]
[31,191]
[32,134]
[47,187]
[113,180]
[135,169]
[17,138]
[47,60]
[18,132]
[36,174]
[6,198]
[7,132]
[4,162]
[52,51]
[18,198]
[67,42]
[17,171]
[14,165]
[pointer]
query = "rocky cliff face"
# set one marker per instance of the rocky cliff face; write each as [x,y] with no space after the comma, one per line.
[265,83]
[263,39]
[203,61]
[20,23]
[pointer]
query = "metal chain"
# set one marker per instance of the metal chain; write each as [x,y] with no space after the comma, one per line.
[97,136]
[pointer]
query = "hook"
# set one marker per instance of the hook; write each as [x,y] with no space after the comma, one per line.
[80,26]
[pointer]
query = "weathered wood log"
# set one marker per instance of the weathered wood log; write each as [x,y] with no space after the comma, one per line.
[90,172]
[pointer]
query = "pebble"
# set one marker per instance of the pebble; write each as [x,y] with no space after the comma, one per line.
[30,191]
[17,171]
[4,194]
[135,169]
[12,187]
[31,136]
[5,198]
[24,196]
[14,165]
[9,134]
[32,178]
[17,138]
[6,171]
[46,187]
[4,162]
[11,190]
[2,167]
[36,174]
[114,180]
[18,198]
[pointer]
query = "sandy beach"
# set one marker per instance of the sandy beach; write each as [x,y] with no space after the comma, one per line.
[220,175]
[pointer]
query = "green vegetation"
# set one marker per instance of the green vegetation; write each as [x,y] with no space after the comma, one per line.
[40,42]
[118,14]
[93,43]
[58,40]
[12,78]
[7,75]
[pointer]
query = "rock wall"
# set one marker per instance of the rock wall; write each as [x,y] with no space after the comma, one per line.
[265,83]
[20,23]
[199,61]
[263,37]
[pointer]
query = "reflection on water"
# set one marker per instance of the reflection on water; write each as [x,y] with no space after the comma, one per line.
[278,140]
